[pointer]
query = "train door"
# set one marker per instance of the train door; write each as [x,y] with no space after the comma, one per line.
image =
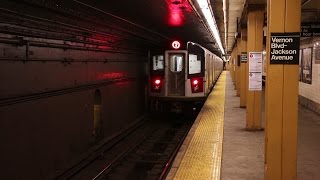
[214,68]
[207,73]
[176,61]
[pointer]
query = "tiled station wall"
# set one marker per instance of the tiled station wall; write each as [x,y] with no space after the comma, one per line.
[309,94]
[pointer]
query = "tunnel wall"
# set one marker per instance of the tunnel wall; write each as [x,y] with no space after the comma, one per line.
[49,119]
[52,61]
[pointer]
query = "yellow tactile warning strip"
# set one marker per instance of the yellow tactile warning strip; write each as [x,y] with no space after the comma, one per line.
[202,159]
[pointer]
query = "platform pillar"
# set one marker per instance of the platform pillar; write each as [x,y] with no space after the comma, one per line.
[254,44]
[237,56]
[231,66]
[232,70]
[243,70]
[281,96]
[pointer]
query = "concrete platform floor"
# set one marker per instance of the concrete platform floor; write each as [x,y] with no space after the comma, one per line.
[243,151]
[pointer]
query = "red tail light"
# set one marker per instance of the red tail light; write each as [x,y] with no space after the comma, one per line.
[196,85]
[195,82]
[156,83]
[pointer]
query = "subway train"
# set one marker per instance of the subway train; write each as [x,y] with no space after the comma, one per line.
[182,78]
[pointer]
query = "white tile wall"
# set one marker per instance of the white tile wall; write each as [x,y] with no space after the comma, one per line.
[312,91]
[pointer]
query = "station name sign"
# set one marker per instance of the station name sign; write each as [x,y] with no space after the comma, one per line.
[284,48]
[243,57]
[310,29]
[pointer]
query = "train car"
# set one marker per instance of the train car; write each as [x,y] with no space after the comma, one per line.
[182,78]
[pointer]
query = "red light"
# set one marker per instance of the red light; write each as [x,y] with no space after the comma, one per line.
[156,84]
[175,44]
[110,75]
[195,82]
[176,18]
[177,10]
[157,81]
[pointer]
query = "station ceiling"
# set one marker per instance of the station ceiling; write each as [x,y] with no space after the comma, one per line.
[166,20]
[182,19]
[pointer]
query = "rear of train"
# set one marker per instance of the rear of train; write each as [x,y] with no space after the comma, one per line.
[182,78]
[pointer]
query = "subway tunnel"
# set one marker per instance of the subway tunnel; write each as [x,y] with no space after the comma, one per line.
[75,73]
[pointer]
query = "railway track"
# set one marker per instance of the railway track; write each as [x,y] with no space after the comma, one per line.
[145,153]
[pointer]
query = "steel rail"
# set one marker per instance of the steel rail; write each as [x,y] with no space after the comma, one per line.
[122,155]
[72,171]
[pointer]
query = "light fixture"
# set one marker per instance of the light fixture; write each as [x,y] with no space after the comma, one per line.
[225,22]
[207,12]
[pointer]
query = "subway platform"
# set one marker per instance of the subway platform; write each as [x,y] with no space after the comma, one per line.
[219,147]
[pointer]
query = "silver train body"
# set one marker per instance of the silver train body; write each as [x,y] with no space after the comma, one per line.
[181,79]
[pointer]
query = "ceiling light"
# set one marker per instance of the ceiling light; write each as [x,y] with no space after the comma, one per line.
[207,12]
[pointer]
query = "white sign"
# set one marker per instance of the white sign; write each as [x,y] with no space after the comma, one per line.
[194,64]
[255,71]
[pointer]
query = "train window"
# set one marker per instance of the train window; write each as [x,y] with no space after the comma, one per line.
[157,62]
[176,62]
[194,64]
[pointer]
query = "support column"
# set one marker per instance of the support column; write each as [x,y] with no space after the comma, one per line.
[255,44]
[232,67]
[238,48]
[243,81]
[281,97]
